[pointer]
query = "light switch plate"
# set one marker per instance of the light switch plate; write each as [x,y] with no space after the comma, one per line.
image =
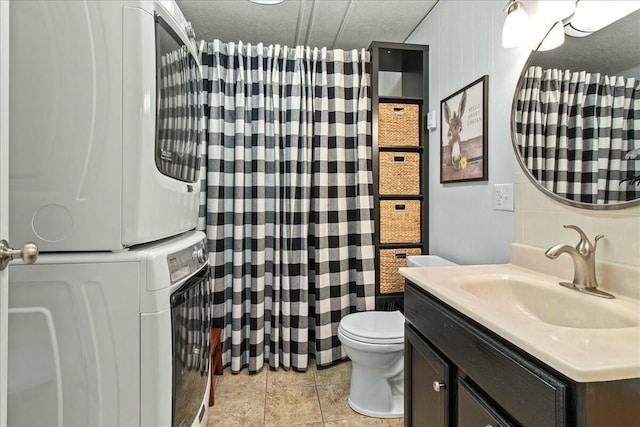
[503,197]
[432,120]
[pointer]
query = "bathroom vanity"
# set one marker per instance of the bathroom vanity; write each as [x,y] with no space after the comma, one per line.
[460,370]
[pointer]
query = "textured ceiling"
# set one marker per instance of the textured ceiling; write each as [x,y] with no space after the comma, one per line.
[344,24]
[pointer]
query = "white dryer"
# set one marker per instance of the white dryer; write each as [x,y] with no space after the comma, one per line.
[111,339]
[106,124]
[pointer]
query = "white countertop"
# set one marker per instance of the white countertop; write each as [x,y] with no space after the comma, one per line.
[582,354]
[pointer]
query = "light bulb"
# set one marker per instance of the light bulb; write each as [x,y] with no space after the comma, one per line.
[516,28]
[592,16]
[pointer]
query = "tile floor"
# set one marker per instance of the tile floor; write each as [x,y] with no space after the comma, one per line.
[315,398]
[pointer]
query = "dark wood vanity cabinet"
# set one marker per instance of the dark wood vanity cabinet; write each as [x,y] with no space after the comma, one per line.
[458,373]
[474,410]
[427,400]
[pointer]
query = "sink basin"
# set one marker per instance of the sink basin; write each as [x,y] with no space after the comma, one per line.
[548,302]
[582,336]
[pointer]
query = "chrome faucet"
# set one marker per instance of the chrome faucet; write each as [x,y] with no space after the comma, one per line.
[584,263]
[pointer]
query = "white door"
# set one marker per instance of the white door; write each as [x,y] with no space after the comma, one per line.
[4,199]
[5,253]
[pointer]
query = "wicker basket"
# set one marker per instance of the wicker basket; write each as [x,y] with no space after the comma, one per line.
[398,125]
[390,261]
[400,221]
[399,173]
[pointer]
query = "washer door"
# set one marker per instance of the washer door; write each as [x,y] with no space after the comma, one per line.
[191,334]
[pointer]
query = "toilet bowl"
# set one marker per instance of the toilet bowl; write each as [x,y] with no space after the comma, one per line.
[374,341]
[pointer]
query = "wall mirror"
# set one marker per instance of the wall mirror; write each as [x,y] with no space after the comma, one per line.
[575,119]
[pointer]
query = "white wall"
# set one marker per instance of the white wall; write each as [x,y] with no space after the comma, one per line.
[464,39]
[539,220]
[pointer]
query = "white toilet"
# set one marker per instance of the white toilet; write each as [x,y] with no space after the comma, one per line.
[374,341]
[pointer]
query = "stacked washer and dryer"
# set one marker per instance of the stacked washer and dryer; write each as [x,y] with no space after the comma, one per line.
[111,326]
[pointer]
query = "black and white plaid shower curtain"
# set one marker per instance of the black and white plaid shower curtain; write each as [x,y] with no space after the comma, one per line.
[289,199]
[574,130]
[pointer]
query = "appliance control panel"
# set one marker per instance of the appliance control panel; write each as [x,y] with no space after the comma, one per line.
[187,261]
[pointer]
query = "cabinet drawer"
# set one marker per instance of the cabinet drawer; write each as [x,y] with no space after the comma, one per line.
[531,395]
[390,261]
[399,173]
[398,125]
[474,411]
[400,221]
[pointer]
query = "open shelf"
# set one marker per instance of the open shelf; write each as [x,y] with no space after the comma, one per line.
[402,99]
[399,245]
[411,148]
[401,196]
[399,75]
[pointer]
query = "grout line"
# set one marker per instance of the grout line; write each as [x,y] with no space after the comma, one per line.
[315,383]
[266,386]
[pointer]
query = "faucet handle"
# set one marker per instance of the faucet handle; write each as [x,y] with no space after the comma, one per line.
[584,246]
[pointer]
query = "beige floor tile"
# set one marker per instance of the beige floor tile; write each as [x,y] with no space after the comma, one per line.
[217,381]
[242,407]
[338,373]
[292,405]
[234,382]
[290,378]
[305,425]
[363,421]
[289,398]
[334,402]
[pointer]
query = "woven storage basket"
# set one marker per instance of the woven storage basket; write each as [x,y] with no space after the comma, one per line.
[399,173]
[400,221]
[390,261]
[398,124]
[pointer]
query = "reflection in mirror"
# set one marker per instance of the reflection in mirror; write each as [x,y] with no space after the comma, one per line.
[576,118]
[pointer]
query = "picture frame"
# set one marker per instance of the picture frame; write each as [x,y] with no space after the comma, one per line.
[463,133]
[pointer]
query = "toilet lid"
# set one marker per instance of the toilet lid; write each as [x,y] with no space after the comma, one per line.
[381,327]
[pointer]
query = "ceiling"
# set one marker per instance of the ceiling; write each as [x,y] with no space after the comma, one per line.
[342,24]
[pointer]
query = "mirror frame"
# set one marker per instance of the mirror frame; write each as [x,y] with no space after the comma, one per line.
[523,166]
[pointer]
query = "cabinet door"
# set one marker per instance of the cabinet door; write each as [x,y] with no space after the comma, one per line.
[526,391]
[474,411]
[427,389]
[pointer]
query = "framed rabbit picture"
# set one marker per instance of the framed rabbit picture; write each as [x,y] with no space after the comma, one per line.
[463,134]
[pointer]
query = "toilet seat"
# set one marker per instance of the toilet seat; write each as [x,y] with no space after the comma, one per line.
[374,327]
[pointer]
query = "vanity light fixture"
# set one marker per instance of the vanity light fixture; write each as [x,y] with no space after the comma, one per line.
[559,12]
[517,25]
[591,16]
